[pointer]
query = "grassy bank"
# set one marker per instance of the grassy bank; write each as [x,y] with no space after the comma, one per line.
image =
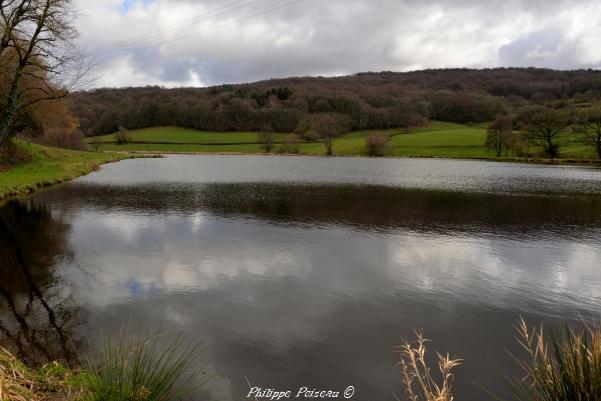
[556,364]
[130,367]
[438,139]
[50,382]
[31,166]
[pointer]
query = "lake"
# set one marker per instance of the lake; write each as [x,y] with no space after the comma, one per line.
[305,271]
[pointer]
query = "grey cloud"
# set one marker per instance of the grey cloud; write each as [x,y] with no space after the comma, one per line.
[339,37]
[548,48]
[167,69]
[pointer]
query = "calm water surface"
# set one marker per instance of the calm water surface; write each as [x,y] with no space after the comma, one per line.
[305,271]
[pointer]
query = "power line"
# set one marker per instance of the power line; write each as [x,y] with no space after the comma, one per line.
[270,10]
[188,22]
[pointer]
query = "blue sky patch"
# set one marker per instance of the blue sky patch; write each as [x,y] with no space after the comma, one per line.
[128,5]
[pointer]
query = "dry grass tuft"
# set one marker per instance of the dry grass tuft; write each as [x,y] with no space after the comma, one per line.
[420,384]
[561,365]
[53,382]
[15,381]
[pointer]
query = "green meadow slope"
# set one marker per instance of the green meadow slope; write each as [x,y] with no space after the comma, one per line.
[41,166]
[438,139]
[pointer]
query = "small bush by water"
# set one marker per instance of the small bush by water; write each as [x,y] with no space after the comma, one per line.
[14,154]
[123,137]
[378,145]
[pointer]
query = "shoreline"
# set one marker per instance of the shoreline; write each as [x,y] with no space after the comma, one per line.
[517,160]
[80,165]
[48,167]
[27,189]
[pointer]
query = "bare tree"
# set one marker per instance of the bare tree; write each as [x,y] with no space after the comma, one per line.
[37,57]
[545,128]
[499,136]
[267,138]
[291,144]
[13,14]
[589,128]
[328,126]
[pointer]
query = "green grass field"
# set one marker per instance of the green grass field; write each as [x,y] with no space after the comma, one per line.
[438,139]
[47,166]
[187,136]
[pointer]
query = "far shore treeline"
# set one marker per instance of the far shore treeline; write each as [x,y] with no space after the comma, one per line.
[363,101]
[540,103]
[522,107]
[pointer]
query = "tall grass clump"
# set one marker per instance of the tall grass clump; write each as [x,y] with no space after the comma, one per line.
[144,367]
[561,365]
[420,383]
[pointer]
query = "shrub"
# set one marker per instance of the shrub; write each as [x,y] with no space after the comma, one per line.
[311,136]
[378,145]
[13,154]
[122,136]
[63,139]
[58,137]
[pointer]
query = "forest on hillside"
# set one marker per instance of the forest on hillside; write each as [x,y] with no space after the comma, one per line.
[362,101]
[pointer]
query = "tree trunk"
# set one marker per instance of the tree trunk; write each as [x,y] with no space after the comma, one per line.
[499,144]
[550,150]
[328,144]
[9,111]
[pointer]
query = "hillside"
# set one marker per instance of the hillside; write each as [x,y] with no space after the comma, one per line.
[367,100]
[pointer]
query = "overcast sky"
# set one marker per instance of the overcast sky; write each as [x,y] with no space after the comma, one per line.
[207,42]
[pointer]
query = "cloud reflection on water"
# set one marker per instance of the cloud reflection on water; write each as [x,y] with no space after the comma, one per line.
[290,283]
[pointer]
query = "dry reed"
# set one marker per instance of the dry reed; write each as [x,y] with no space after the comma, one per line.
[420,383]
[561,365]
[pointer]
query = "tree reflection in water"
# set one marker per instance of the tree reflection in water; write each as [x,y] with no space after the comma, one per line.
[37,319]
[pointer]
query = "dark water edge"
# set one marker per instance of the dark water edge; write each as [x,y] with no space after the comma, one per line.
[305,273]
